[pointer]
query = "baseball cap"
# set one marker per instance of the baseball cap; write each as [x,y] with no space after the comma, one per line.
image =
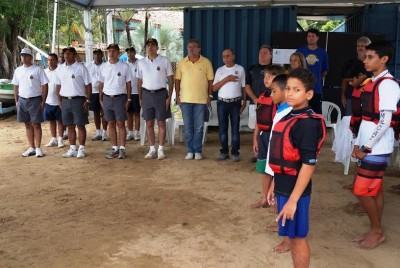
[151,41]
[26,51]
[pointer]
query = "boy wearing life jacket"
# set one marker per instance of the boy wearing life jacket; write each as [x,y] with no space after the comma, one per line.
[375,140]
[295,143]
[278,95]
[359,80]
[264,114]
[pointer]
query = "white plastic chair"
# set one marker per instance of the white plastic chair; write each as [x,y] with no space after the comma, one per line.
[327,109]
[169,126]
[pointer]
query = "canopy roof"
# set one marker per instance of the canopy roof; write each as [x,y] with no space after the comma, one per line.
[187,3]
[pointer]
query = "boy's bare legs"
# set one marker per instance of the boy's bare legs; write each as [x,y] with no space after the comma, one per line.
[374,208]
[283,246]
[300,252]
[262,202]
[53,128]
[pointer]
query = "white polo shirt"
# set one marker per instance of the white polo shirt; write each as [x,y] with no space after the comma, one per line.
[73,79]
[154,73]
[133,68]
[29,81]
[389,95]
[231,89]
[52,97]
[115,76]
[94,72]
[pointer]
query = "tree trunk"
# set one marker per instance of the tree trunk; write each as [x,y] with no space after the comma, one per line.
[128,33]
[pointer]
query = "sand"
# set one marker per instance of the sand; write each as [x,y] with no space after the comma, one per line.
[95,212]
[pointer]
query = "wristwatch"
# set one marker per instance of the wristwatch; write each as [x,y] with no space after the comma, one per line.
[211,96]
[87,100]
[365,149]
[129,99]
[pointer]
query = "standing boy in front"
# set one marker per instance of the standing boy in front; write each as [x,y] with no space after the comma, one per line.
[295,142]
[375,139]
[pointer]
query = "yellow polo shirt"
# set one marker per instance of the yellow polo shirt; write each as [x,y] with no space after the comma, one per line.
[194,79]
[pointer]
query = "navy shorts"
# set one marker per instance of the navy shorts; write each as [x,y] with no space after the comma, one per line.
[114,108]
[154,105]
[299,226]
[52,112]
[73,112]
[95,102]
[134,106]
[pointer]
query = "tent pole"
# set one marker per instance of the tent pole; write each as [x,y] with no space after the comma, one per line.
[109,26]
[53,37]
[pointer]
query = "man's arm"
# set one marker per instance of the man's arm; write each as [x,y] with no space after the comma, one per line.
[45,90]
[344,86]
[250,93]
[217,86]
[16,92]
[177,91]
[58,89]
[88,88]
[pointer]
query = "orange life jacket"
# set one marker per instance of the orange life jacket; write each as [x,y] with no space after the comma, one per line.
[265,112]
[370,105]
[284,158]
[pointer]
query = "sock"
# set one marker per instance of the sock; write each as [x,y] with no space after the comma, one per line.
[115,148]
[130,132]
[81,147]
[98,132]
[53,139]
[122,147]
[135,132]
[104,132]
[160,148]
[72,147]
[37,149]
[152,148]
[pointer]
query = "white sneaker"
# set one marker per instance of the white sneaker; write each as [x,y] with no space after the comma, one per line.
[39,152]
[160,154]
[129,137]
[70,153]
[189,156]
[60,143]
[104,137]
[52,143]
[29,152]
[151,155]
[198,156]
[136,136]
[81,153]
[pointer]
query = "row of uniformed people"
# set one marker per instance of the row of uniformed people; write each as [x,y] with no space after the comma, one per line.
[63,94]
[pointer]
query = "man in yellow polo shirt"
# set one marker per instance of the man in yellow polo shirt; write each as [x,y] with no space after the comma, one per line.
[193,86]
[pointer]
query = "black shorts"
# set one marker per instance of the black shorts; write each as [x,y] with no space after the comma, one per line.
[52,112]
[95,102]
[114,108]
[134,106]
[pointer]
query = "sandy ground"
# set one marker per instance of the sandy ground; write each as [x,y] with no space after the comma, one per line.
[95,212]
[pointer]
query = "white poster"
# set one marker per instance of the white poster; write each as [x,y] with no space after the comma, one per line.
[282,56]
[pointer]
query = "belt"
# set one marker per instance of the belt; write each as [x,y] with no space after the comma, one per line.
[30,97]
[154,91]
[114,96]
[230,100]
[74,97]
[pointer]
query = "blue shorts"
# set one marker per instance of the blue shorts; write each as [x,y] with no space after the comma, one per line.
[298,227]
[52,112]
[94,104]
[263,142]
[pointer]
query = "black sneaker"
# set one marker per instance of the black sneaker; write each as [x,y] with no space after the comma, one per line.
[121,154]
[222,157]
[112,154]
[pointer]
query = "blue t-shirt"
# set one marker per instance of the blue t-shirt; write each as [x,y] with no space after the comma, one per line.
[282,106]
[317,62]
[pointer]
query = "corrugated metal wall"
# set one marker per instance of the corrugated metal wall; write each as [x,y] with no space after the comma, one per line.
[243,29]
[385,19]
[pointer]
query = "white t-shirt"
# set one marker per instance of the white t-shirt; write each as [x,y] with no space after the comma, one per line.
[133,68]
[231,89]
[389,95]
[29,81]
[52,97]
[154,73]
[115,76]
[94,72]
[73,79]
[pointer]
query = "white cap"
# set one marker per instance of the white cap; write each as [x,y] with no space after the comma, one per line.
[26,51]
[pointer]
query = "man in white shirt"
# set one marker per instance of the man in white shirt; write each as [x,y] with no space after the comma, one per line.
[94,71]
[115,87]
[134,106]
[52,111]
[153,73]
[230,81]
[30,92]
[74,89]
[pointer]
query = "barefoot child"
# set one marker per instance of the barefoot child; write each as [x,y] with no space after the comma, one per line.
[278,95]
[375,139]
[264,114]
[295,142]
